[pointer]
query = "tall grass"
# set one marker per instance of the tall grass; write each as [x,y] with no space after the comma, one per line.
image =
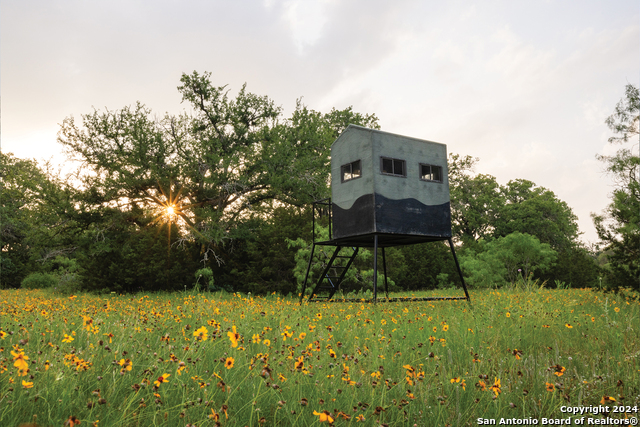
[507,354]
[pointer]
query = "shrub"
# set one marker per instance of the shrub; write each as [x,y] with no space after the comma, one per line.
[39,281]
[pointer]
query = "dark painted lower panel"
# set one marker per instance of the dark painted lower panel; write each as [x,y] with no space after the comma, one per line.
[356,220]
[409,216]
[374,213]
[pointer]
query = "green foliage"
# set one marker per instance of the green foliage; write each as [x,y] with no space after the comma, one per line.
[420,266]
[476,201]
[576,266]
[619,225]
[537,211]
[207,280]
[123,258]
[223,163]
[482,267]
[483,209]
[507,259]
[225,167]
[39,281]
[33,223]
[263,261]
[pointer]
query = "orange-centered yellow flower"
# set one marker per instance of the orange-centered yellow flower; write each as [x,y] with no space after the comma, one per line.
[126,365]
[324,416]
[229,362]
[162,379]
[234,337]
[496,387]
[19,361]
[201,334]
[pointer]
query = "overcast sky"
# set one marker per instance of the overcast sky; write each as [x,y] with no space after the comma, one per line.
[523,85]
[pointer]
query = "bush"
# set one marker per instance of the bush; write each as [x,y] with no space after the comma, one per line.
[506,260]
[39,281]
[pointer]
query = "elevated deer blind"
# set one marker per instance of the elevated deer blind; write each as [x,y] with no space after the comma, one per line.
[386,190]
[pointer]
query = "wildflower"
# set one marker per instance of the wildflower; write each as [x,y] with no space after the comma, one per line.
[19,361]
[463,384]
[234,337]
[496,387]
[517,353]
[72,421]
[617,309]
[214,415]
[201,334]
[360,418]
[302,336]
[26,384]
[126,365]
[559,370]
[162,379]
[445,328]
[3,334]
[607,399]
[324,416]
[47,365]
[343,416]
[266,342]
[229,362]
[550,386]
[67,338]
[109,335]
[255,339]
[282,378]
[300,362]
[508,314]
[568,325]
[454,380]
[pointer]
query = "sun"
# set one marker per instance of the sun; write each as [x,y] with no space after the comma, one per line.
[170,210]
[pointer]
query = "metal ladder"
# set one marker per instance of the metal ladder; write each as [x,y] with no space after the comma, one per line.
[333,274]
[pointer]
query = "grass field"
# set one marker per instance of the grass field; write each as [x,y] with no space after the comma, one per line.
[237,360]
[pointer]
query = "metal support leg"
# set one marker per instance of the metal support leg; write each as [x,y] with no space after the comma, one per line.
[306,276]
[384,268]
[455,258]
[375,268]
